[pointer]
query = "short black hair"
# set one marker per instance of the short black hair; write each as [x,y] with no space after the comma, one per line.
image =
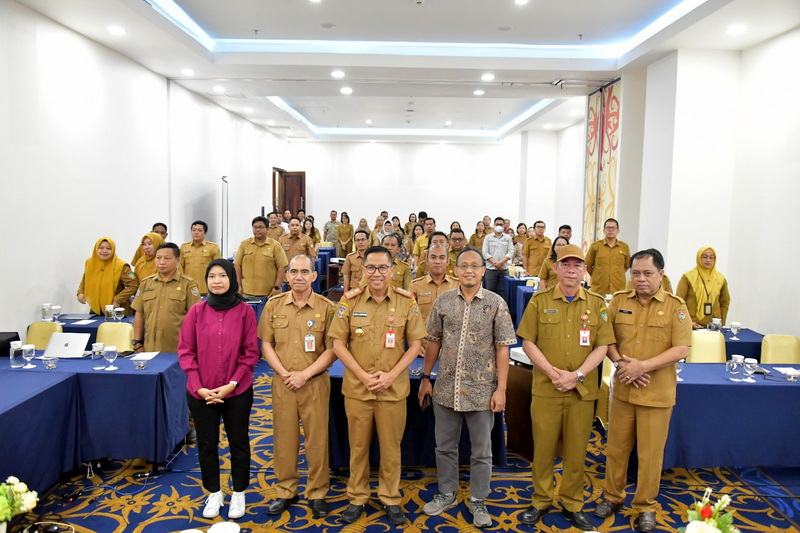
[431,219]
[457,230]
[438,233]
[160,224]
[539,222]
[565,226]
[365,232]
[298,219]
[658,259]
[611,220]
[395,236]
[200,223]
[172,246]
[378,250]
[299,210]
[273,213]
[468,249]
[501,219]
[422,214]
[260,219]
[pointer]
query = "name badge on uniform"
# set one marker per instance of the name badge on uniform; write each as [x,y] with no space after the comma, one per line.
[389,339]
[707,309]
[310,341]
[585,339]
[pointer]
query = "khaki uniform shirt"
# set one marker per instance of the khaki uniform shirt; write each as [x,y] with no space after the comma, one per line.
[536,251]
[644,332]
[468,333]
[363,323]
[275,232]
[292,246]
[164,305]
[719,307]
[402,275]
[547,274]
[285,326]
[423,270]
[352,265]
[126,287]
[195,259]
[331,231]
[426,291]
[260,264]
[476,241]
[420,245]
[608,266]
[554,324]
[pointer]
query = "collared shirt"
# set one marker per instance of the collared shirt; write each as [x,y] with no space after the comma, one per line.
[498,248]
[195,259]
[547,274]
[164,305]
[275,232]
[352,265]
[609,265]
[292,246]
[260,264]
[363,323]
[468,332]
[285,326]
[645,331]
[553,324]
[421,244]
[217,347]
[536,250]
[331,231]
[426,290]
[402,275]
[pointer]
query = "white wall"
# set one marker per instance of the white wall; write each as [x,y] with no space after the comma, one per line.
[571,168]
[629,183]
[542,177]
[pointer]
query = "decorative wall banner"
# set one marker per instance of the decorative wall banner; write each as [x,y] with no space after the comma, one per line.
[593,123]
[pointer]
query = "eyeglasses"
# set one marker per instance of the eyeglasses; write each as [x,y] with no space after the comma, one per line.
[383,269]
[610,227]
[474,268]
[259,227]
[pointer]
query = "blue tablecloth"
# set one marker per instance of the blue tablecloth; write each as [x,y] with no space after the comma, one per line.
[748,345]
[418,447]
[510,285]
[69,326]
[319,266]
[717,422]
[39,424]
[524,295]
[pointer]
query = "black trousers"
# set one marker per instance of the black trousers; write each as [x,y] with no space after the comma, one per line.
[235,414]
[494,281]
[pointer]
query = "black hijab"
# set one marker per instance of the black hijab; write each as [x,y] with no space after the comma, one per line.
[231,298]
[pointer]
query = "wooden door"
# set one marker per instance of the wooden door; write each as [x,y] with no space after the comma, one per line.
[290,192]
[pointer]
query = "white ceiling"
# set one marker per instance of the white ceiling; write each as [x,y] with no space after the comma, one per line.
[412,64]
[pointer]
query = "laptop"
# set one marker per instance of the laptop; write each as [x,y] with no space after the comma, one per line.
[67,345]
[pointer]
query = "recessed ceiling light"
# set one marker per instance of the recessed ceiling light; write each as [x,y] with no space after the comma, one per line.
[488,77]
[369,122]
[346,90]
[270,123]
[448,123]
[328,25]
[187,72]
[316,1]
[372,141]
[219,89]
[520,2]
[478,92]
[737,29]
[548,126]
[248,109]
[338,74]
[116,30]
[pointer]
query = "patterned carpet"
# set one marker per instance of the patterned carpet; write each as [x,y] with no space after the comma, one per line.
[114,501]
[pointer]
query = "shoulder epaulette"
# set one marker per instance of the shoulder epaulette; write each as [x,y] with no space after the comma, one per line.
[403,292]
[353,293]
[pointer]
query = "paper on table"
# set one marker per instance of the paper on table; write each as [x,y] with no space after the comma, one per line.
[74,316]
[144,356]
[83,322]
[788,371]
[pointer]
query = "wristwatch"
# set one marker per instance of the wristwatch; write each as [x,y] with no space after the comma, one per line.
[425,376]
[234,383]
[581,377]
[134,342]
[277,288]
[616,363]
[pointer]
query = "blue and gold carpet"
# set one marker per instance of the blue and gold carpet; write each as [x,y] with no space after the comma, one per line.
[115,500]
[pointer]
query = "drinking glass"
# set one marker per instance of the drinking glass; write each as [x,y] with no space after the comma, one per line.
[119,313]
[109,312]
[139,364]
[15,354]
[750,369]
[679,368]
[47,313]
[111,355]
[50,362]
[98,356]
[735,328]
[56,313]
[734,369]
[28,351]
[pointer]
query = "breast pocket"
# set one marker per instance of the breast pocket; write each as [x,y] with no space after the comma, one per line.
[148,300]
[425,299]
[658,332]
[549,325]
[177,299]
[361,330]
[280,328]
[625,325]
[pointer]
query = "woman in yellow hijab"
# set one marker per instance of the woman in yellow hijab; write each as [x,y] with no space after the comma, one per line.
[107,279]
[705,290]
[146,265]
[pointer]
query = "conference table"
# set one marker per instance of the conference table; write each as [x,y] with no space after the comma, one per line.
[418,447]
[748,345]
[123,414]
[510,286]
[524,295]
[717,422]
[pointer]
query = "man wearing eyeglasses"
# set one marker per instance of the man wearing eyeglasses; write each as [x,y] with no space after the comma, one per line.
[294,340]
[607,261]
[353,268]
[535,249]
[654,331]
[469,333]
[371,328]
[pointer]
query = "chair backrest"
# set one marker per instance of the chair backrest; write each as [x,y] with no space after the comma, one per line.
[119,334]
[780,350]
[512,270]
[326,244]
[39,333]
[707,347]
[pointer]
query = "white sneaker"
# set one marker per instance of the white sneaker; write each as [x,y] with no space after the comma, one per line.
[480,516]
[213,503]
[237,505]
[441,502]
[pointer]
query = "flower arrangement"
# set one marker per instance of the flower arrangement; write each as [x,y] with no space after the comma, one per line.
[15,498]
[708,518]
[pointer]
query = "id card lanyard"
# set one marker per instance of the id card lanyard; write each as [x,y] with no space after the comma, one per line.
[389,337]
[310,341]
[585,335]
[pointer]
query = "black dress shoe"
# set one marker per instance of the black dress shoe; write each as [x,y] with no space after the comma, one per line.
[606,508]
[578,519]
[191,437]
[531,515]
[319,508]
[280,505]
[395,514]
[352,513]
[646,521]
